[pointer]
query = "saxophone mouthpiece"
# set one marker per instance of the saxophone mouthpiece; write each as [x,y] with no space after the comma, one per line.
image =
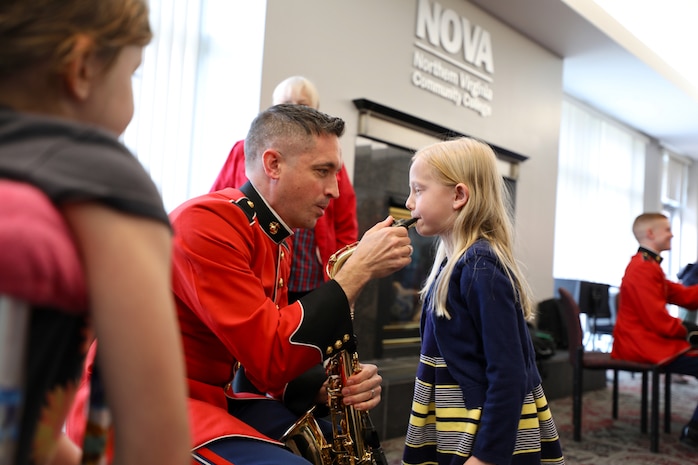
[338,258]
[407,224]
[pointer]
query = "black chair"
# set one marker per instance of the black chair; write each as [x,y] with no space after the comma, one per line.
[551,320]
[582,359]
[594,301]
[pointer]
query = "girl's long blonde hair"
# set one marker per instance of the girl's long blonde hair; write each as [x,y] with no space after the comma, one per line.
[486,215]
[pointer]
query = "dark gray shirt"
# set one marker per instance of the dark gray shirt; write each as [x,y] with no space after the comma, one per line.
[72,162]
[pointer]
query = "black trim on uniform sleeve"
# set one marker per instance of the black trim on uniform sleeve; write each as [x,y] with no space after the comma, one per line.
[300,393]
[327,320]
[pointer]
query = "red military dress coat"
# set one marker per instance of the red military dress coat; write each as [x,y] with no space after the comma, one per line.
[231,263]
[644,329]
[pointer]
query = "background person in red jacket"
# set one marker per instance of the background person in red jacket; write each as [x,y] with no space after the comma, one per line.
[644,330]
[337,228]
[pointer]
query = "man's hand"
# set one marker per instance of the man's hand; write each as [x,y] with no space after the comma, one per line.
[363,389]
[382,250]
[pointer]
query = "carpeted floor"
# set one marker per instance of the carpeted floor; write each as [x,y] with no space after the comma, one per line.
[613,442]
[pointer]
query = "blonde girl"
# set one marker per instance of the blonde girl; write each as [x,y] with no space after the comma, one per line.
[478,396]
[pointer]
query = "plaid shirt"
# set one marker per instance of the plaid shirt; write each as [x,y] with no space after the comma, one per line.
[306,268]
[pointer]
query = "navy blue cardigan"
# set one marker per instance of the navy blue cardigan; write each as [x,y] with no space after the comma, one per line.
[486,347]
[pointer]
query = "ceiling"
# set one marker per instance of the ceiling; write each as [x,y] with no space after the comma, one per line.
[608,68]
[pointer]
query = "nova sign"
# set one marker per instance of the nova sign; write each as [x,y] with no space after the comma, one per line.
[453,58]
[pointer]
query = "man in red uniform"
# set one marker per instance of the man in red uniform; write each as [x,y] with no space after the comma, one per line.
[644,329]
[231,265]
[337,228]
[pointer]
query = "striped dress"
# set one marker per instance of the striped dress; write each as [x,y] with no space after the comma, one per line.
[477,388]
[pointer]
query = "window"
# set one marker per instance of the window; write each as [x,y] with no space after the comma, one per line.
[196,92]
[674,194]
[599,193]
[160,133]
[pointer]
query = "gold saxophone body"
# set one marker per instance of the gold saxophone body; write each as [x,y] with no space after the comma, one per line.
[354,438]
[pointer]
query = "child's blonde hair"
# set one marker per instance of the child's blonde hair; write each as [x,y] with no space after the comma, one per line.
[486,215]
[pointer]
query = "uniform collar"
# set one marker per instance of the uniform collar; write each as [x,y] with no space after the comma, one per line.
[272,225]
[648,254]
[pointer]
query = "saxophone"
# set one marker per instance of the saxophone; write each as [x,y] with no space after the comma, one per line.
[354,438]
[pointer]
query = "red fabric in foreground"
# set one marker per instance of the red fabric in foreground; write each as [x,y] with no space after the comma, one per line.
[39,262]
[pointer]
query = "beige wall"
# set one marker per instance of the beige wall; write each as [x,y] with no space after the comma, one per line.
[364,49]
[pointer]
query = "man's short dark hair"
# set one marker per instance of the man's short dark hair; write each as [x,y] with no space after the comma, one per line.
[289,128]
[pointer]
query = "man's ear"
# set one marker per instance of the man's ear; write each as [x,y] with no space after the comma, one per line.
[81,68]
[649,232]
[271,160]
[462,194]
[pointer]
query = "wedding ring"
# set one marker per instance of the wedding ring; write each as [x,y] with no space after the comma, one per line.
[373,393]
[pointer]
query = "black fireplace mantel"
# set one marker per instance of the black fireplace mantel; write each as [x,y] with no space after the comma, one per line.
[368,106]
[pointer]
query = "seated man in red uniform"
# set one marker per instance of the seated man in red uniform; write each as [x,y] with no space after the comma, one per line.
[231,265]
[644,330]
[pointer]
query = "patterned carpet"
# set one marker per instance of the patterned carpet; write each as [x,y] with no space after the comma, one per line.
[613,442]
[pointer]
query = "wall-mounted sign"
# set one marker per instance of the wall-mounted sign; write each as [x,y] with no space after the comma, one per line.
[453,58]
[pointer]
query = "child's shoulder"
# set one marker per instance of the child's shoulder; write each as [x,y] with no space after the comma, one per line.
[480,249]
[479,255]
